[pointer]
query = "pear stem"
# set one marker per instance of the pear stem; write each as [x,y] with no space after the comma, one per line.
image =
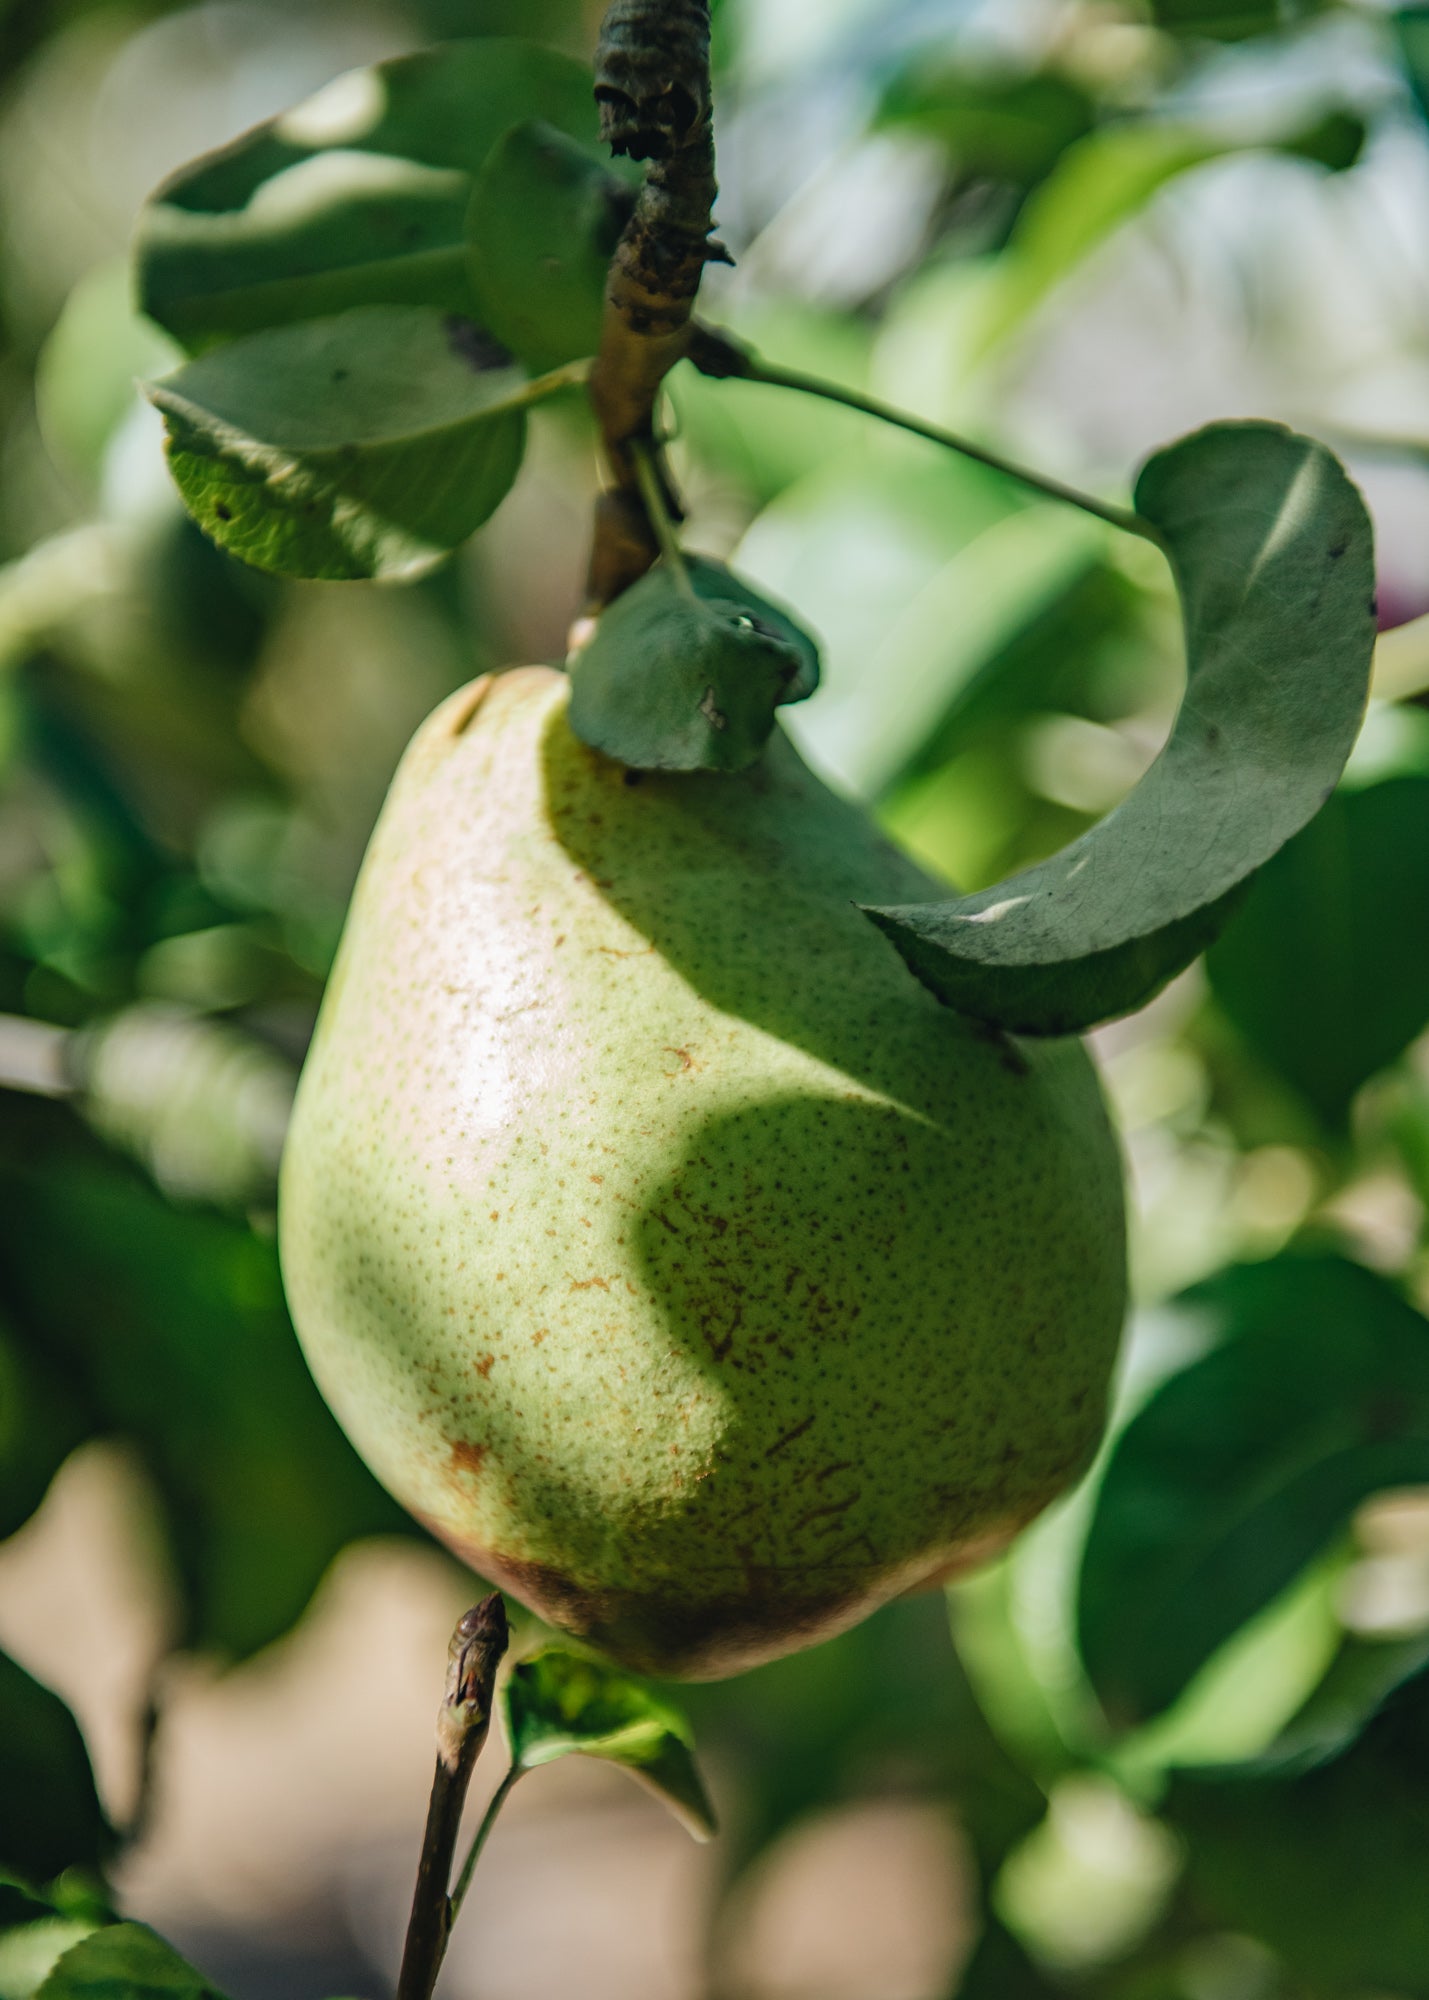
[463,1719]
[717,354]
[657,508]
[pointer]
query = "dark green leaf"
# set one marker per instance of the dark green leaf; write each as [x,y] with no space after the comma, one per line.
[368,445]
[193,1358]
[1000,1969]
[1327,1868]
[1273,556]
[50,1815]
[683,678]
[1322,969]
[544,221]
[1242,1467]
[357,197]
[125,1962]
[558,1703]
[1227,21]
[41,1421]
[1334,141]
[1411,26]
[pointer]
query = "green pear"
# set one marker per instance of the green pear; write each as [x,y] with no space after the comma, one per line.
[656,1238]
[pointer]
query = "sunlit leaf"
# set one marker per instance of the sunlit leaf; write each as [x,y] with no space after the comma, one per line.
[367,445]
[1242,1467]
[544,221]
[559,1703]
[1322,968]
[1273,556]
[686,675]
[356,197]
[125,1962]
[50,1815]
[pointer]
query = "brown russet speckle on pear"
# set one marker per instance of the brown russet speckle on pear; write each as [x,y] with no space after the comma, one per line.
[655,1236]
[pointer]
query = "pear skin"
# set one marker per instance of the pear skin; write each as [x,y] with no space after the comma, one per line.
[656,1238]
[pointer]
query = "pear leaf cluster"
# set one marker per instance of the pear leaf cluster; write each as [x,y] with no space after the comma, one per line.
[358,196]
[560,1703]
[366,286]
[1272,553]
[686,669]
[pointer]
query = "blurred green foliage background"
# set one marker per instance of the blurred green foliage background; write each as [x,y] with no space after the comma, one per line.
[1193,1761]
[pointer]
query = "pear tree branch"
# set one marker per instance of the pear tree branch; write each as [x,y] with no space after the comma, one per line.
[652,86]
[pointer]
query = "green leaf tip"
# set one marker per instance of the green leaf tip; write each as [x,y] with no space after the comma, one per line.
[367,445]
[561,1703]
[1272,553]
[685,672]
[124,1962]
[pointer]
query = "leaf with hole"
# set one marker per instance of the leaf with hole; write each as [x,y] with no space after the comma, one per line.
[685,672]
[1318,969]
[544,222]
[367,445]
[356,197]
[559,1704]
[1241,1468]
[1272,553]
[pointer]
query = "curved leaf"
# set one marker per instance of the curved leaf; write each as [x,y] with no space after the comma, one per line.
[1242,1467]
[687,677]
[356,197]
[368,445]
[559,1703]
[1273,556]
[544,221]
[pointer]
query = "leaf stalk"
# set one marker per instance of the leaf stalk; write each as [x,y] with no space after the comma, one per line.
[716,354]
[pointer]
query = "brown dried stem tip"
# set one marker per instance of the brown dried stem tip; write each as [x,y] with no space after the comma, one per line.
[463,1719]
[652,85]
